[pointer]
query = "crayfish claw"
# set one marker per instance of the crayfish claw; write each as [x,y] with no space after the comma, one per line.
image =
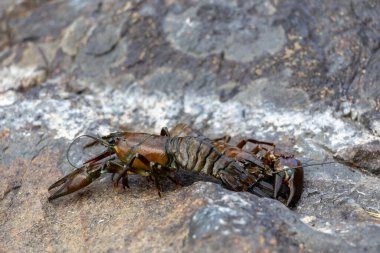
[65,178]
[288,180]
[74,181]
[292,192]
[278,180]
[295,185]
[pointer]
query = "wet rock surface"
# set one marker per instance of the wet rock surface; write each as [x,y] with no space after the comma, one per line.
[302,74]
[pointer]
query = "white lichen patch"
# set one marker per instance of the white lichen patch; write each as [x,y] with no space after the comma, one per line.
[326,230]
[240,221]
[138,105]
[235,199]
[260,120]
[226,210]
[13,77]
[308,219]
[7,98]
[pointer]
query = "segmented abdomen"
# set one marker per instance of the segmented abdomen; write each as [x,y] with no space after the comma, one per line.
[196,154]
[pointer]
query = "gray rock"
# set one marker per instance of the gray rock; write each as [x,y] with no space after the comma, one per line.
[103,39]
[201,216]
[301,74]
[74,35]
[214,28]
[167,81]
[53,15]
[365,157]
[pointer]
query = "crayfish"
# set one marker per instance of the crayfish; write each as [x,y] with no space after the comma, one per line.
[263,170]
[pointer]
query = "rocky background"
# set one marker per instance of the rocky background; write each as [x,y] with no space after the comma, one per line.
[303,74]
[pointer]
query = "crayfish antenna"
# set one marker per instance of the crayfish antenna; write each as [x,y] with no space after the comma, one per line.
[76,180]
[96,140]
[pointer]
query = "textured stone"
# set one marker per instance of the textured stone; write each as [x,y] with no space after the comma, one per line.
[75,36]
[215,28]
[365,157]
[53,15]
[15,78]
[102,40]
[203,216]
[302,74]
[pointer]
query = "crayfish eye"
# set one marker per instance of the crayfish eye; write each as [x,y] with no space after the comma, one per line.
[112,141]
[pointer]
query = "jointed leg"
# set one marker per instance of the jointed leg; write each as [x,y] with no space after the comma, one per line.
[127,167]
[225,139]
[156,178]
[121,169]
[155,169]
[165,132]
[175,181]
[254,141]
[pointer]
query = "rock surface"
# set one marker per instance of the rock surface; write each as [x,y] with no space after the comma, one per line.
[302,74]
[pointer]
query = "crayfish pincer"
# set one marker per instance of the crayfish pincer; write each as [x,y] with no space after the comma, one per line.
[155,155]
